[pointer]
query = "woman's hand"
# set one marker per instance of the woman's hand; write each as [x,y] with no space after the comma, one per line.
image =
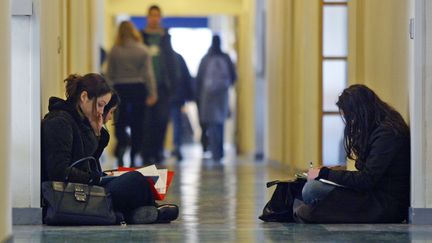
[313,173]
[151,100]
[97,124]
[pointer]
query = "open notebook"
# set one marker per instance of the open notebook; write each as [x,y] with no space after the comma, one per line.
[303,175]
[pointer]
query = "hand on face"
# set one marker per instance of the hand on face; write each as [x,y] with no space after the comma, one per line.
[151,100]
[109,115]
[97,124]
[313,173]
[94,114]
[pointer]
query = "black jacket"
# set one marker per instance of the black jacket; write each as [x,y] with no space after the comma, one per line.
[379,191]
[168,64]
[67,137]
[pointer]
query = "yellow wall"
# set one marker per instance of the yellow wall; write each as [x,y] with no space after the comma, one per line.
[53,50]
[379,49]
[293,82]
[66,44]
[378,57]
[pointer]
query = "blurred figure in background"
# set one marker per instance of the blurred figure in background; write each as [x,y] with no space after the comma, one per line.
[183,93]
[216,74]
[131,72]
[166,72]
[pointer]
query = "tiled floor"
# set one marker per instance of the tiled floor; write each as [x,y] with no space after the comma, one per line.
[221,203]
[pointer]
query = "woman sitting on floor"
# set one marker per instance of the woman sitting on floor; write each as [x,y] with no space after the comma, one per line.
[377,138]
[73,129]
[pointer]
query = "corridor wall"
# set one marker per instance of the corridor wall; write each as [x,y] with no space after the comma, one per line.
[379,49]
[292,69]
[5,86]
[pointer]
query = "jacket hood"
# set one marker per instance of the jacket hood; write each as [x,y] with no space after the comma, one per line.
[56,103]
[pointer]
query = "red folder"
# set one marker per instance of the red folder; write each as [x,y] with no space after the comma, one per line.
[156,194]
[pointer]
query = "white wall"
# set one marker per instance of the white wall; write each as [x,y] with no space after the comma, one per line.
[25,117]
[25,165]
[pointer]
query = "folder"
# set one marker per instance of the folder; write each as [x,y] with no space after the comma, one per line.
[159,179]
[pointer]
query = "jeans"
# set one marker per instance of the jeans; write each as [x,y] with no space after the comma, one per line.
[314,191]
[176,116]
[215,132]
[129,191]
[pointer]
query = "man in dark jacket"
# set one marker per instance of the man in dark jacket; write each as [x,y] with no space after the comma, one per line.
[166,73]
[183,93]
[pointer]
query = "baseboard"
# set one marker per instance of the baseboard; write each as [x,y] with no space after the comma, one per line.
[420,216]
[26,216]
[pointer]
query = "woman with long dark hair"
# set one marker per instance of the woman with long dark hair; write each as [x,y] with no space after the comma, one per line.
[377,138]
[130,70]
[73,129]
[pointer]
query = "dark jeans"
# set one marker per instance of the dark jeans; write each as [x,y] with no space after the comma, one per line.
[131,113]
[155,126]
[204,136]
[315,191]
[129,191]
[215,132]
[176,116]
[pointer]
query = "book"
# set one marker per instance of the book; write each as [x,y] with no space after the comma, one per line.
[303,176]
[159,179]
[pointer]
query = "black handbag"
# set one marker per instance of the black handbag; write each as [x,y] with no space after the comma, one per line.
[280,207]
[70,203]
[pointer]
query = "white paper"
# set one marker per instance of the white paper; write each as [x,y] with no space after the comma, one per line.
[161,183]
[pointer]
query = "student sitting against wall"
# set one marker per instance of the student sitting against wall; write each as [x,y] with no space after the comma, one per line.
[377,138]
[73,130]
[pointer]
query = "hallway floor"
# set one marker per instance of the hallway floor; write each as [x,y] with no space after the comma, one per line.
[221,203]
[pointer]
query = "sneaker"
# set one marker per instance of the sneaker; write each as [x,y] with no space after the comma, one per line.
[167,213]
[142,215]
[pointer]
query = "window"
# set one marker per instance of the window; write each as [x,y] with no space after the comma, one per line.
[334,77]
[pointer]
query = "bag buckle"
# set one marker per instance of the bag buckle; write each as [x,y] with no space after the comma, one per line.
[80,195]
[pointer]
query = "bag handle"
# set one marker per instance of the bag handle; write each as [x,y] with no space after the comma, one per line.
[88,158]
[272,183]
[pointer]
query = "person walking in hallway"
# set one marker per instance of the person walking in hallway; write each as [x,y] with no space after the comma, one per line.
[183,93]
[130,69]
[216,74]
[166,72]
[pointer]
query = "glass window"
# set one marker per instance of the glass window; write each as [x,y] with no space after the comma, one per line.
[335,27]
[333,150]
[334,81]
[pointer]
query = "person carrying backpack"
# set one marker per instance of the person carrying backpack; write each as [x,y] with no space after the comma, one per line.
[216,73]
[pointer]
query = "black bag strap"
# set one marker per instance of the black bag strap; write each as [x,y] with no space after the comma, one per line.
[85,159]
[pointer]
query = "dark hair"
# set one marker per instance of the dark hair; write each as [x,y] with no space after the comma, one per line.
[94,84]
[215,47]
[154,7]
[363,111]
[114,101]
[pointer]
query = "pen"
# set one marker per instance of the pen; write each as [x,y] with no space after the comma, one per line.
[310,164]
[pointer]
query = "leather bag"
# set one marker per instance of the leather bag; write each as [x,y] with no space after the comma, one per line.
[70,203]
[280,207]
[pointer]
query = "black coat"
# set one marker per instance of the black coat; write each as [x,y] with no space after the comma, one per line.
[67,137]
[168,64]
[379,191]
